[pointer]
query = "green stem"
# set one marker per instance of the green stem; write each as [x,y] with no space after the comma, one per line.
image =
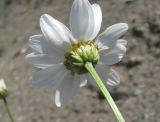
[105,92]
[8,110]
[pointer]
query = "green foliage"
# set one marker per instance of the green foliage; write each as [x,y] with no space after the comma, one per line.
[2,3]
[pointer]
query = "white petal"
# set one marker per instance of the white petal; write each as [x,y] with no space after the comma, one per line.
[91,80]
[107,75]
[43,60]
[98,20]
[113,78]
[110,36]
[40,45]
[67,90]
[35,43]
[109,57]
[55,32]
[83,80]
[122,41]
[103,72]
[50,77]
[82,20]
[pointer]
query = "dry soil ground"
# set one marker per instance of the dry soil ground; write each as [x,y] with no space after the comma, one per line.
[138,96]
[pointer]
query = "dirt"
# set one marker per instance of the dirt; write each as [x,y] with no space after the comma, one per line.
[138,95]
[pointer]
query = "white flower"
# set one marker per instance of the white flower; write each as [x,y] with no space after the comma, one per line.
[61,53]
[3,89]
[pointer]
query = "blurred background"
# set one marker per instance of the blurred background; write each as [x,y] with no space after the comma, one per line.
[138,95]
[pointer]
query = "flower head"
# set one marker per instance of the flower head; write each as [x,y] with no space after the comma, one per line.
[62,54]
[3,89]
[79,54]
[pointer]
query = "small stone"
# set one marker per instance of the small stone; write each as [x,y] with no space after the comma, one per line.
[23,50]
[135,58]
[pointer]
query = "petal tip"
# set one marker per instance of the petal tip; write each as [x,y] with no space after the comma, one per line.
[57,99]
[58,105]
[44,15]
[125,25]
[43,18]
[28,56]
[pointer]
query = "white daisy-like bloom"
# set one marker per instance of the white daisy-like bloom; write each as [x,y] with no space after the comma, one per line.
[62,54]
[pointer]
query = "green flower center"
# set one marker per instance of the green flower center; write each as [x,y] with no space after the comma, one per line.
[79,54]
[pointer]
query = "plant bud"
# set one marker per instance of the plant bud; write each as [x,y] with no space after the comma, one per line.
[3,89]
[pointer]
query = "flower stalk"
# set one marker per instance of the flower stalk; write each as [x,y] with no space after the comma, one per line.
[8,110]
[3,95]
[105,92]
